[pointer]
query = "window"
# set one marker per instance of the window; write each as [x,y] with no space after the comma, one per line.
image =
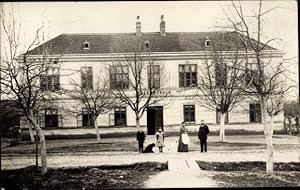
[221,75]
[187,75]
[153,76]
[218,117]
[119,77]
[51,118]
[251,74]
[87,120]
[120,116]
[207,42]
[87,78]
[189,113]
[255,112]
[86,45]
[50,81]
[147,44]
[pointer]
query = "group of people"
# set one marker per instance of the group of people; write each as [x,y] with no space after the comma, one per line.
[183,138]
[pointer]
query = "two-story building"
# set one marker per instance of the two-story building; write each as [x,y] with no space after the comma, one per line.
[181,54]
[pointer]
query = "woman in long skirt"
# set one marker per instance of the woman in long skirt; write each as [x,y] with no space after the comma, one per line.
[181,146]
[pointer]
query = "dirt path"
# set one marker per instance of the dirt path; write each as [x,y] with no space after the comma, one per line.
[182,173]
[120,158]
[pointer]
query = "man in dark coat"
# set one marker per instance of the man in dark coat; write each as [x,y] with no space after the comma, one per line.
[140,137]
[202,135]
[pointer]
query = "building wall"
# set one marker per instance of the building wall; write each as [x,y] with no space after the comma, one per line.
[173,105]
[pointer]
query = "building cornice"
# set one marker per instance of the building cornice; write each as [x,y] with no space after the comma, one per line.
[160,55]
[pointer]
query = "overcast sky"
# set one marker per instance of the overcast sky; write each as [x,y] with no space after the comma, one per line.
[180,16]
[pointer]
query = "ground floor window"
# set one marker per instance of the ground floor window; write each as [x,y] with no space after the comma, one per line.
[189,113]
[87,120]
[255,112]
[218,117]
[51,118]
[120,116]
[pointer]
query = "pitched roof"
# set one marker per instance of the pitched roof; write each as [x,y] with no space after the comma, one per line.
[105,43]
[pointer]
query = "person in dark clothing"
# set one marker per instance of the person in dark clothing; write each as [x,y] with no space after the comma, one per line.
[202,135]
[140,137]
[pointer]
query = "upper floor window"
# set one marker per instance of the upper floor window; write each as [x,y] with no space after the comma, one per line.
[221,75]
[251,74]
[87,78]
[119,77]
[51,80]
[187,75]
[255,112]
[86,45]
[153,76]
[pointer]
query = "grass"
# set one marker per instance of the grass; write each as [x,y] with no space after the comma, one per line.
[252,174]
[78,178]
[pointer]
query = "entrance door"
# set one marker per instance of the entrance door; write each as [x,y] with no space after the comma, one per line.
[154,119]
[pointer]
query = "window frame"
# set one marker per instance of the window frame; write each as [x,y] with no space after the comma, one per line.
[87,83]
[189,106]
[193,76]
[220,75]
[50,81]
[118,116]
[154,71]
[254,111]
[113,76]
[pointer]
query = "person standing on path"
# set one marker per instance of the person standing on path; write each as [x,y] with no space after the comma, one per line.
[140,137]
[202,135]
[183,139]
[160,137]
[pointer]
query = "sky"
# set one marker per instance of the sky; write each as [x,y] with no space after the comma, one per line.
[180,16]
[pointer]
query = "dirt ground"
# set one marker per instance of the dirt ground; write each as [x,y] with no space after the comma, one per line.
[88,178]
[252,174]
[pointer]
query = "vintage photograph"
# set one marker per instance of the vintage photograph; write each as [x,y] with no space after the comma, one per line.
[141,94]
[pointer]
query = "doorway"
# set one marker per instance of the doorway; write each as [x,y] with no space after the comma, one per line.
[154,119]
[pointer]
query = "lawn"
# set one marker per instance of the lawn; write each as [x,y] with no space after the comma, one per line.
[79,178]
[252,174]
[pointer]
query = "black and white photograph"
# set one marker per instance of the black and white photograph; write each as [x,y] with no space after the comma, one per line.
[149,94]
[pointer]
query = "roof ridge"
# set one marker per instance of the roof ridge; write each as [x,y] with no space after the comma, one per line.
[118,33]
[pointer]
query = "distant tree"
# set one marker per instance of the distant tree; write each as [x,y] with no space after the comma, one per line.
[291,108]
[22,75]
[265,78]
[135,78]
[220,79]
[96,98]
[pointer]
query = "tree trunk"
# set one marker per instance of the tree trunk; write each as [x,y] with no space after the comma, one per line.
[268,131]
[137,120]
[97,129]
[222,127]
[30,132]
[42,142]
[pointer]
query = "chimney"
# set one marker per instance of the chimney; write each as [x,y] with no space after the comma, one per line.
[138,26]
[162,26]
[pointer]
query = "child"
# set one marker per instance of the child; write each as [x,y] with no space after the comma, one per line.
[160,137]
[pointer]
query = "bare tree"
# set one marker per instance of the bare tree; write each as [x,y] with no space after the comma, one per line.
[263,76]
[21,75]
[96,98]
[220,79]
[135,77]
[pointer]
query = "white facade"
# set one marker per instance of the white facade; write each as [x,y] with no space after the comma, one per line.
[173,104]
